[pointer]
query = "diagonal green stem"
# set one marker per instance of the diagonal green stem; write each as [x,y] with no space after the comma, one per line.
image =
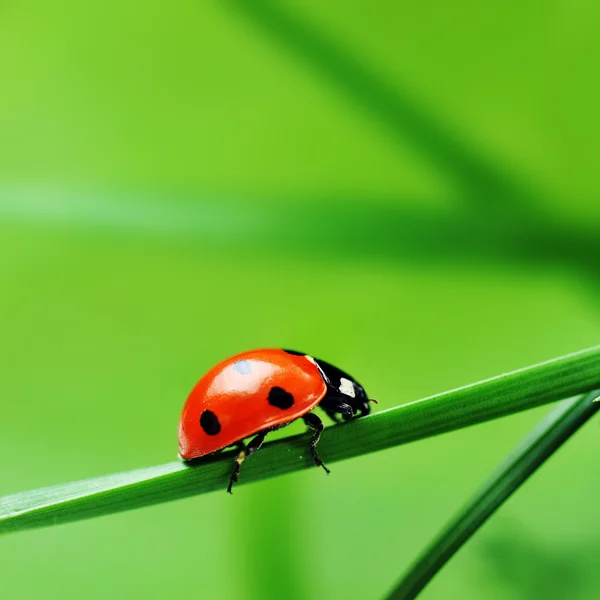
[404,117]
[520,390]
[542,442]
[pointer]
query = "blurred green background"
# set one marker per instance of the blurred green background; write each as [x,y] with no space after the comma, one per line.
[409,192]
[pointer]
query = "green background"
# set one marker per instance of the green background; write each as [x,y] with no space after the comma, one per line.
[408,192]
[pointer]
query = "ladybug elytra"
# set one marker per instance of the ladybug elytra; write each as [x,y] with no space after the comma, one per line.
[256,392]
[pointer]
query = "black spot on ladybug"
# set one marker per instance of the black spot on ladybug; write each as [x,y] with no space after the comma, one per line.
[294,352]
[280,398]
[210,423]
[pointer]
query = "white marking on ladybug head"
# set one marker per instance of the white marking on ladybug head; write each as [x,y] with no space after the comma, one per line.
[347,387]
[311,359]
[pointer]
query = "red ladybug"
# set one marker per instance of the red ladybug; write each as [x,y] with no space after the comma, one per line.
[256,392]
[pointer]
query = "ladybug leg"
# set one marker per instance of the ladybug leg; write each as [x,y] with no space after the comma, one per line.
[317,426]
[335,404]
[254,444]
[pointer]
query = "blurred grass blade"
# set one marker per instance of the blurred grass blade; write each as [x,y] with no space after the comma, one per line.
[544,440]
[520,390]
[411,233]
[402,114]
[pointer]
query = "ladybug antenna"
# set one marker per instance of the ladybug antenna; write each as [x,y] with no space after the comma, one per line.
[373,401]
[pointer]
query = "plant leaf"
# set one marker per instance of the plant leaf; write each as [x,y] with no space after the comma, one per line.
[520,390]
[554,430]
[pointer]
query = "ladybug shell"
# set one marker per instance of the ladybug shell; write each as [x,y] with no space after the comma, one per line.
[245,394]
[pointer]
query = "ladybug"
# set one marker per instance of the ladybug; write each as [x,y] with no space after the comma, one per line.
[256,392]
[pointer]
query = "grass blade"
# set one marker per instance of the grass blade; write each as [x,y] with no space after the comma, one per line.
[403,115]
[520,390]
[544,440]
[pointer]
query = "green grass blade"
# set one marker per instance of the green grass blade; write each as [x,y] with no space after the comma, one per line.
[413,234]
[520,390]
[542,442]
[404,116]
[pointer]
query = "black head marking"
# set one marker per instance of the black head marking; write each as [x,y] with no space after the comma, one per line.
[294,352]
[210,423]
[344,386]
[280,398]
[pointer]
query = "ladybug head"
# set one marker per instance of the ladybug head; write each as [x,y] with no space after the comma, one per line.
[345,387]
